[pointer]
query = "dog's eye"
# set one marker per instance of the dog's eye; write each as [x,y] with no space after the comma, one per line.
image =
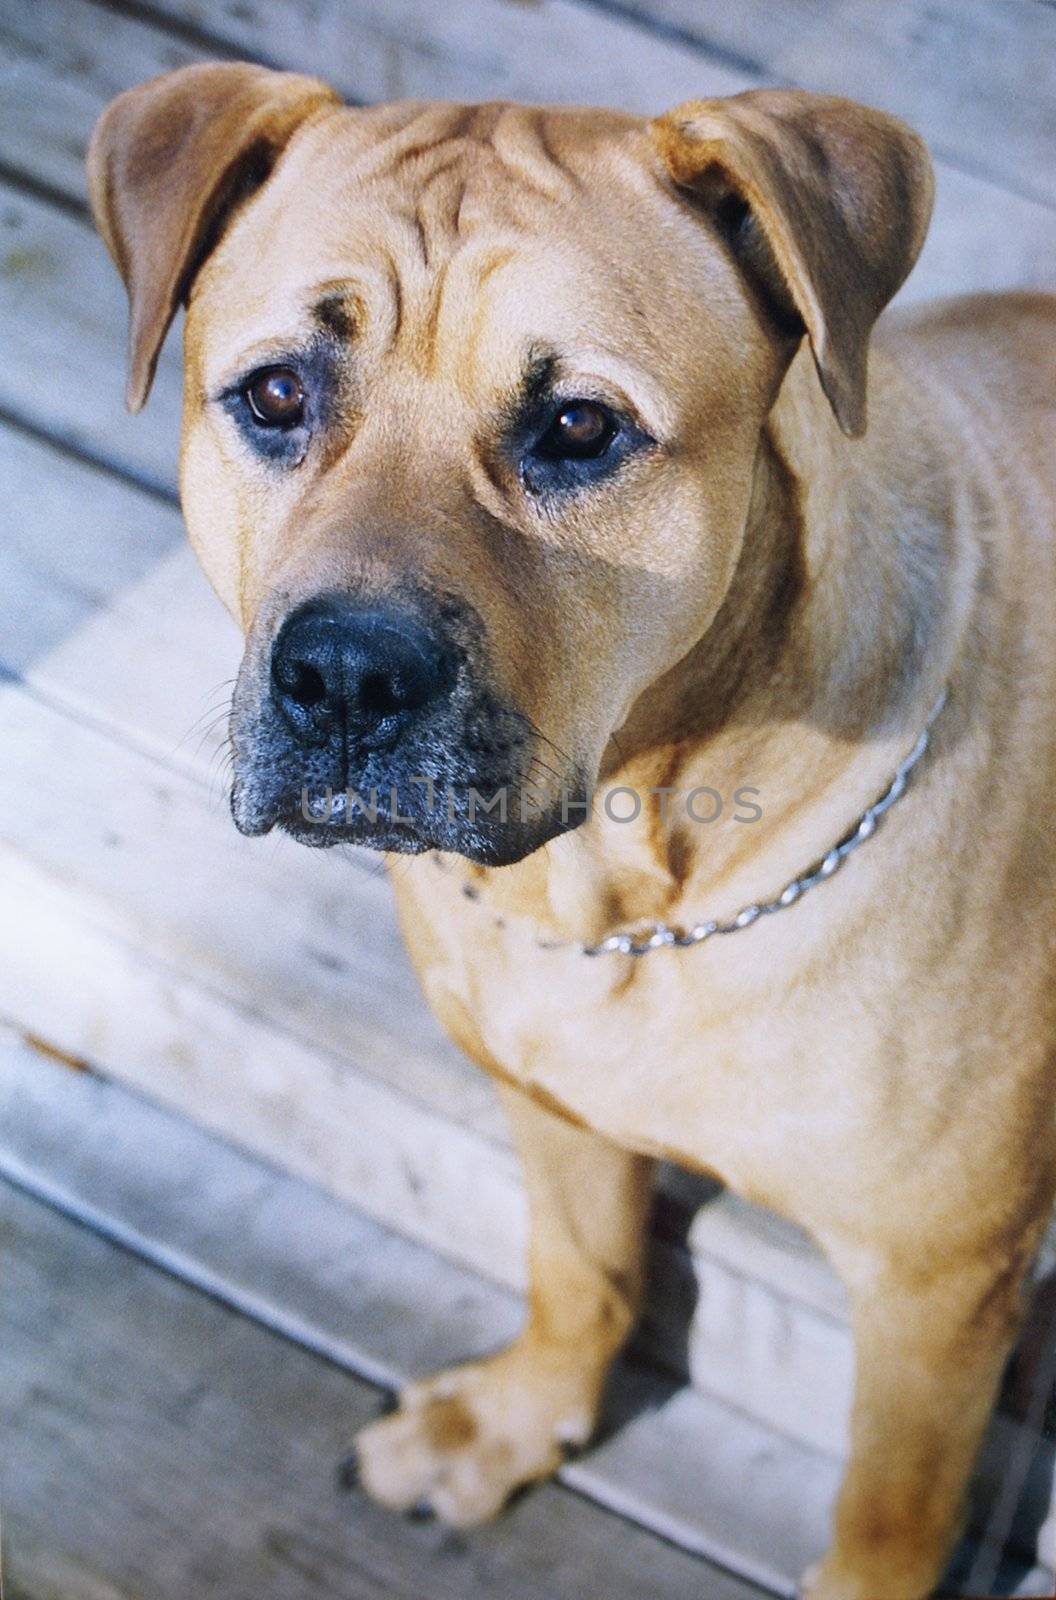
[275,397]
[581,431]
[582,444]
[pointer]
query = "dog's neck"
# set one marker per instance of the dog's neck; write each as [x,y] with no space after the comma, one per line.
[808,688]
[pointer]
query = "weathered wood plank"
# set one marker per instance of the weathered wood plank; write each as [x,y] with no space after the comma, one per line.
[54,1576]
[65,60]
[60,63]
[976,77]
[339,1285]
[74,538]
[62,326]
[161,1445]
[327,1277]
[279,1249]
[173,1036]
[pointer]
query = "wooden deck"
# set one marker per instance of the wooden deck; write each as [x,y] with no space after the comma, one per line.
[280,1013]
[172,1369]
[188,1340]
[159,1443]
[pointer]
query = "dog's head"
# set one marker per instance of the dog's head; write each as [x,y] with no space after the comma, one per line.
[473,404]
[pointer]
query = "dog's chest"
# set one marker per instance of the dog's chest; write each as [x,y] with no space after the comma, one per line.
[718,1058]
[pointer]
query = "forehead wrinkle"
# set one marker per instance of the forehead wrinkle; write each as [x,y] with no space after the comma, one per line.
[464,181]
[488,264]
[438,208]
[453,266]
[415,136]
[491,164]
[448,174]
[396,288]
[434,222]
[523,144]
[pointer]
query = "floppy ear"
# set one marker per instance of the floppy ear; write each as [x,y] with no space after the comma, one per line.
[824,202]
[167,162]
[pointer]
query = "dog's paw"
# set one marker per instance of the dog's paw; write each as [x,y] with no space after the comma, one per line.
[461,1443]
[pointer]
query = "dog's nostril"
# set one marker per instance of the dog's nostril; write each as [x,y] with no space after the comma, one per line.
[303,683]
[379,695]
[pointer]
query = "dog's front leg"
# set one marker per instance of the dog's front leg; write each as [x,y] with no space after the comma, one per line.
[463,1441]
[931,1340]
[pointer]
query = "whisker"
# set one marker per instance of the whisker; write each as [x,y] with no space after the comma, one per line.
[539,734]
[537,761]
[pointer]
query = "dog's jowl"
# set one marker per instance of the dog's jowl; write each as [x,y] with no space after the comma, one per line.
[548,454]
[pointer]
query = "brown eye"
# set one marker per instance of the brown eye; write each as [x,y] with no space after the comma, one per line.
[581,430]
[276,397]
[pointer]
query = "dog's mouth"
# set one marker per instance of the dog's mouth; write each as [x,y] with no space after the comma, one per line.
[480,794]
[321,821]
[489,825]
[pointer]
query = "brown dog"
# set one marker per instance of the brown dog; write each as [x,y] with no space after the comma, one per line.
[510,442]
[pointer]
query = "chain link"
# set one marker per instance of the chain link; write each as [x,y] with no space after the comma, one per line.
[663,936]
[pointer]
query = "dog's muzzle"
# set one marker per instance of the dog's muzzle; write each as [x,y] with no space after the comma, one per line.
[373,723]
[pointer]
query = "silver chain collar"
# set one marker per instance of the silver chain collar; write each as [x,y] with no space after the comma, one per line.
[663,936]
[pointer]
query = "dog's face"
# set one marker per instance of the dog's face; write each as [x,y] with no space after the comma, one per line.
[470,473]
[473,404]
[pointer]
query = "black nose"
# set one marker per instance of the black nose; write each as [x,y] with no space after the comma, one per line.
[355,670]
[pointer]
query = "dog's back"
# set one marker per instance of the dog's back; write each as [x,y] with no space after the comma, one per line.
[998,351]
